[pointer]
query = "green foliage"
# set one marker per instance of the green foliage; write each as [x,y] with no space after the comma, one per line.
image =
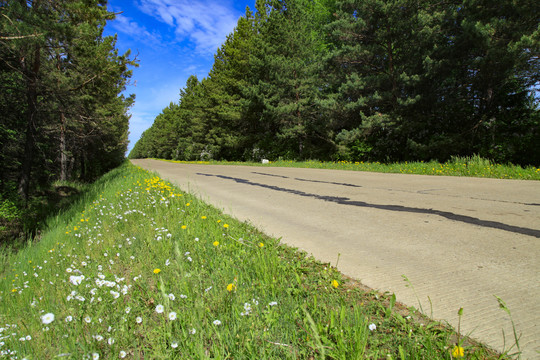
[61,85]
[371,80]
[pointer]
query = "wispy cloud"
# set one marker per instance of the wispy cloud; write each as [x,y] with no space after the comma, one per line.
[204,23]
[126,25]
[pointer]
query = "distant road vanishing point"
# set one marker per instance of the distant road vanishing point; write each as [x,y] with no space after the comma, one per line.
[459,241]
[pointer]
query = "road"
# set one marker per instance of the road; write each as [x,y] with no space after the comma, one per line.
[458,240]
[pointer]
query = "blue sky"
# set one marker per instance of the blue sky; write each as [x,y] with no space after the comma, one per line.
[172,39]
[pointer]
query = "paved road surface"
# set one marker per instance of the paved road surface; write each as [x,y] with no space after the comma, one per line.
[458,240]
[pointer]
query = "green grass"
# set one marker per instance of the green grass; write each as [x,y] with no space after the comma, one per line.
[473,166]
[139,269]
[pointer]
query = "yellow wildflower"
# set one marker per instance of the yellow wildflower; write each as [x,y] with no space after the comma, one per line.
[226,226]
[231,287]
[184,227]
[458,352]
[335,283]
[216,243]
[203,217]
[157,271]
[261,245]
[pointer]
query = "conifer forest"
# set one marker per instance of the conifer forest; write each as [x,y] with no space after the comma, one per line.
[364,80]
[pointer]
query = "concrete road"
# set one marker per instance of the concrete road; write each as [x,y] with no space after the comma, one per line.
[458,240]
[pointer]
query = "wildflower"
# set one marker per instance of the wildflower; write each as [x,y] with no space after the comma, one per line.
[128,309]
[110,341]
[192,331]
[171,297]
[95,356]
[47,318]
[335,283]
[87,319]
[138,319]
[261,244]
[172,316]
[231,287]
[174,344]
[122,354]
[372,327]
[115,294]
[157,271]
[159,309]
[184,227]
[458,352]
[273,303]
[217,322]
[167,262]
[226,226]
[215,243]
[69,318]
[203,217]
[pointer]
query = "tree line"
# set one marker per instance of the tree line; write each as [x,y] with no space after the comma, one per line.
[62,113]
[376,80]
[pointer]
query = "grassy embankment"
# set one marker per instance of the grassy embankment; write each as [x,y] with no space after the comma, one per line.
[473,166]
[139,269]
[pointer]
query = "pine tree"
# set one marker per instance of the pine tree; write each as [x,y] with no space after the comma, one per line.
[284,84]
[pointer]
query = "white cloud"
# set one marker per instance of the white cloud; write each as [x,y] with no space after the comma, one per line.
[124,24]
[205,23]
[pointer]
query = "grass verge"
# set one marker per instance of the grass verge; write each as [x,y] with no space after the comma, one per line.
[138,269]
[473,166]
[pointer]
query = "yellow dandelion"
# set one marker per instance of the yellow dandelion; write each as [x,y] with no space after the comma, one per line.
[203,217]
[231,287]
[187,204]
[184,227]
[13,290]
[261,245]
[157,271]
[226,226]
[216,243]
[335,283]
[458,352]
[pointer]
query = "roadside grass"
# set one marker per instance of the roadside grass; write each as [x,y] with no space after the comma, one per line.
[138,269]
[473,166]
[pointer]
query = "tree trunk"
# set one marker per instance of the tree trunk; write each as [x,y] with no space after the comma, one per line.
[31,117]
[63,157]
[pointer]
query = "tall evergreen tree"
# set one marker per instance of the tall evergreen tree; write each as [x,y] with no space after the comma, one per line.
[64,81]
[284,82]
